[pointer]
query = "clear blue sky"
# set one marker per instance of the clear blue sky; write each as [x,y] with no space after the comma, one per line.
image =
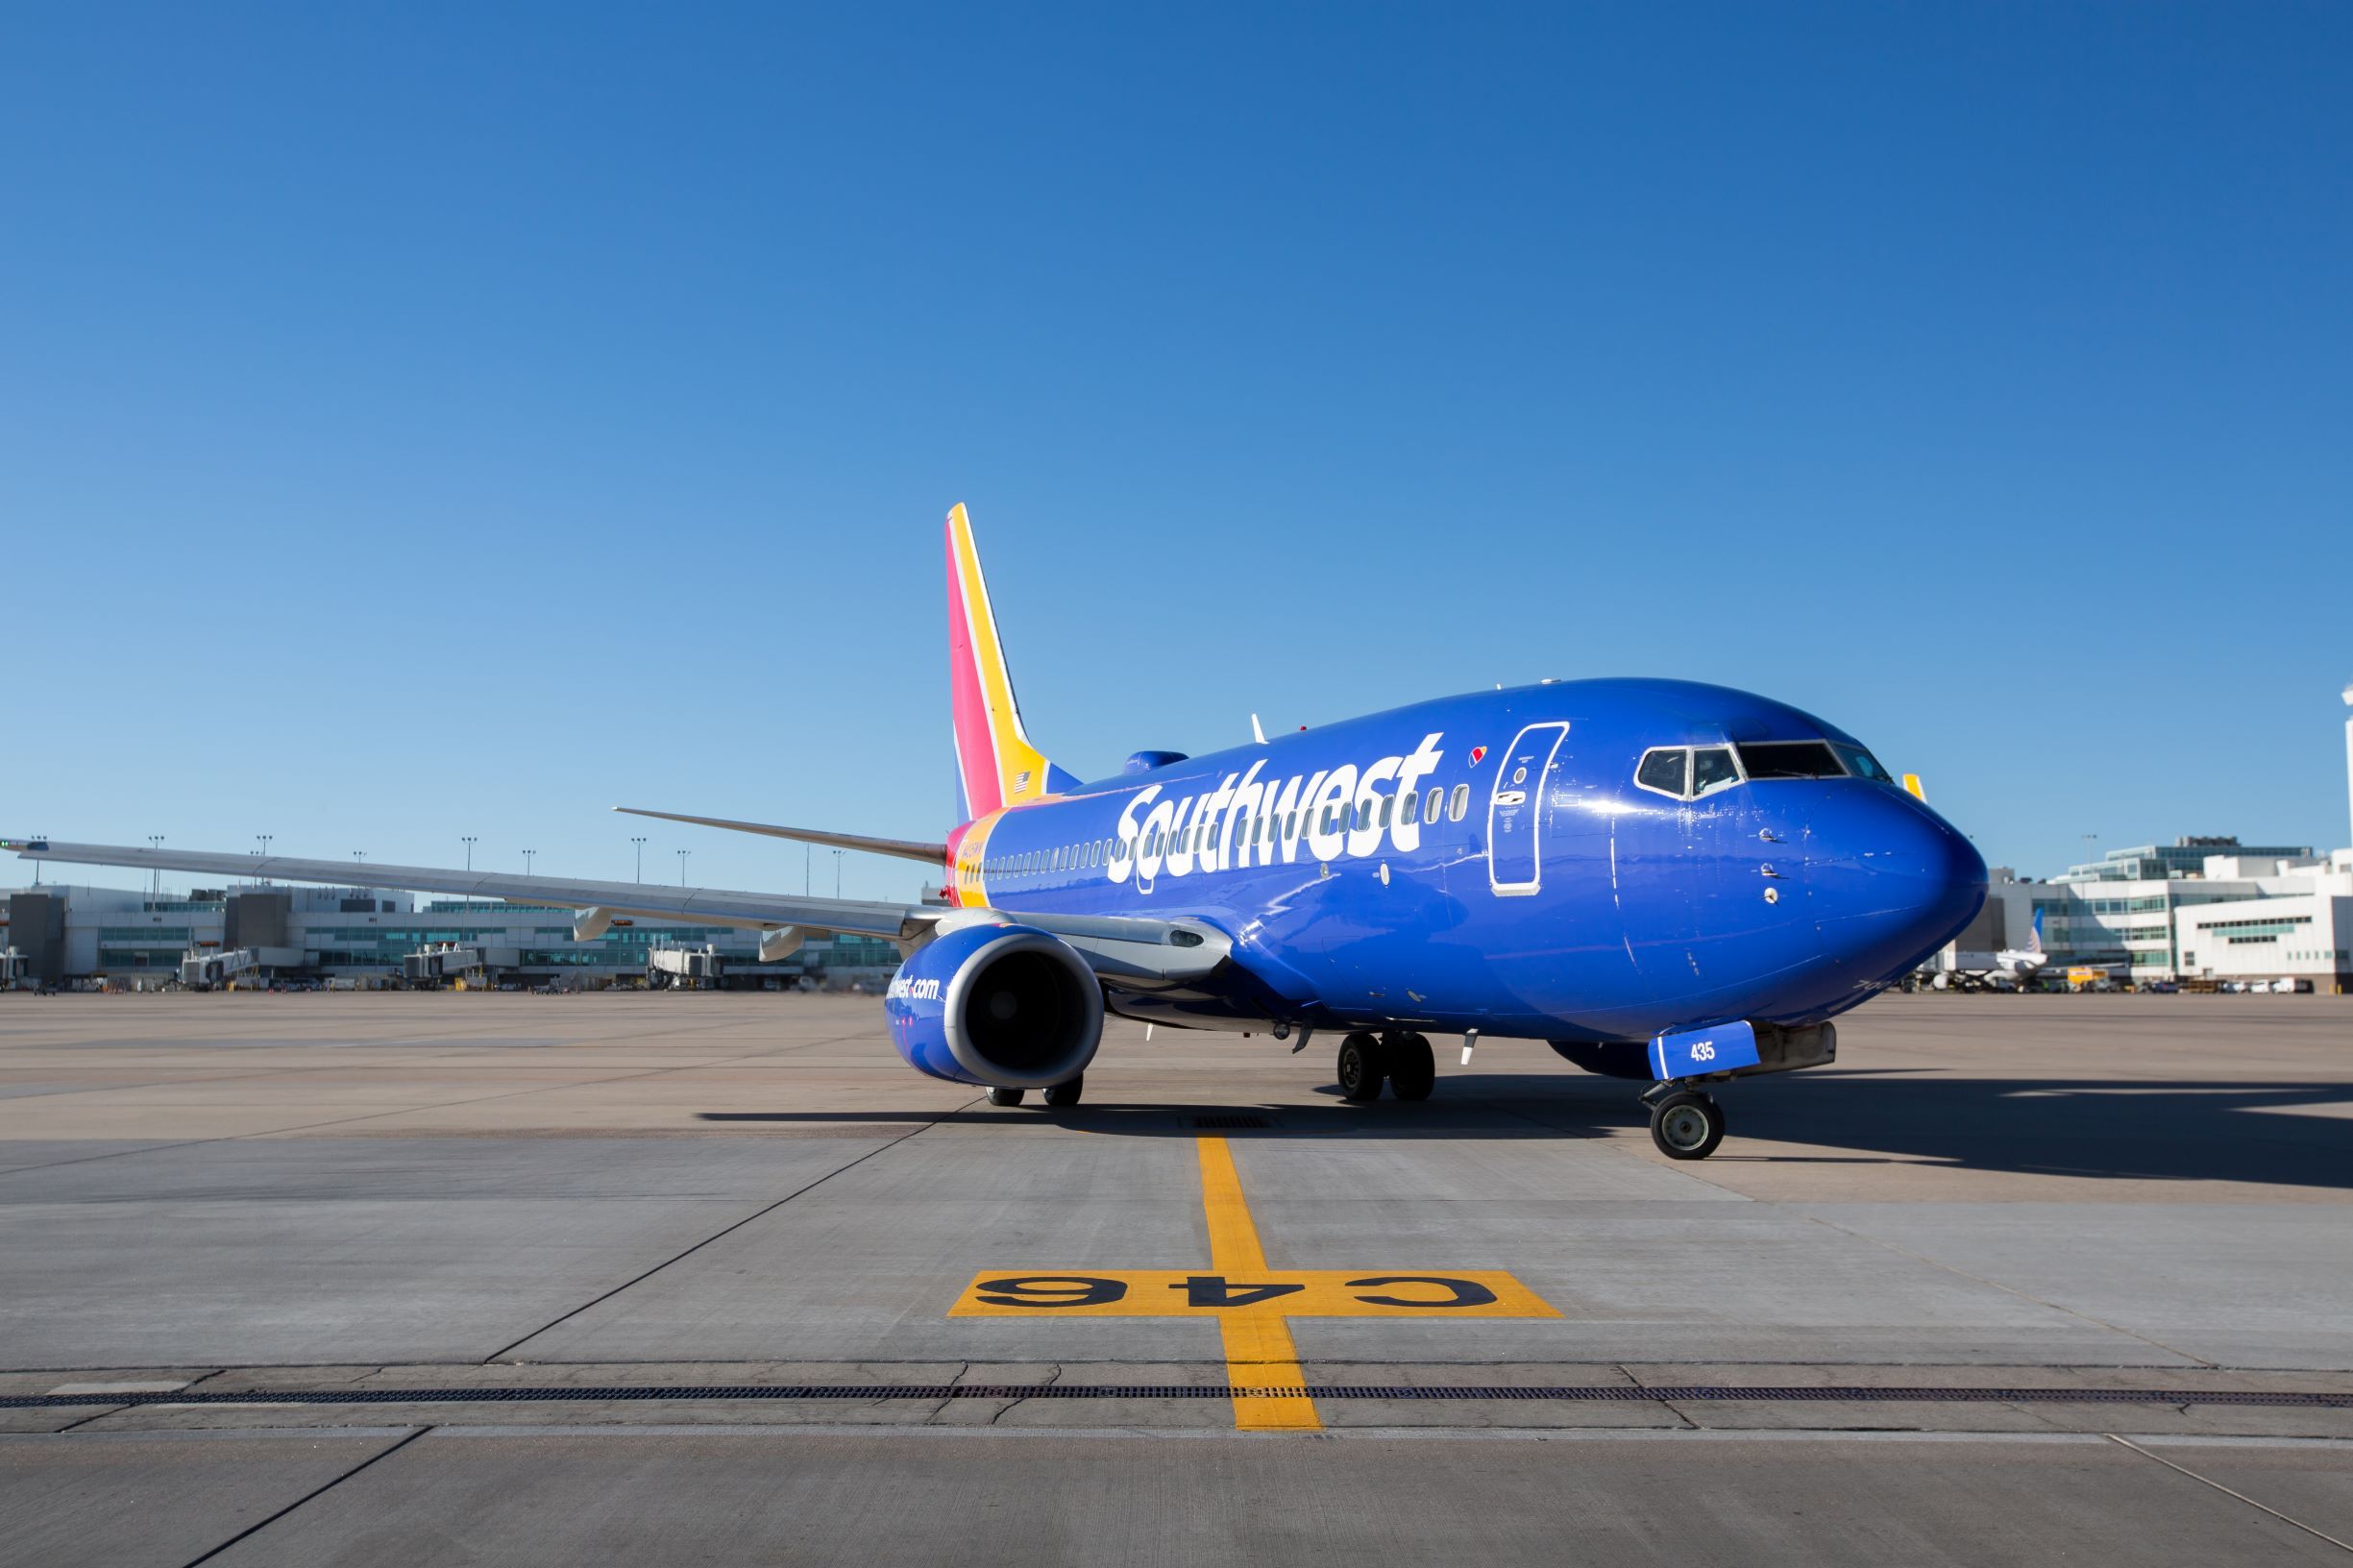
[429,420]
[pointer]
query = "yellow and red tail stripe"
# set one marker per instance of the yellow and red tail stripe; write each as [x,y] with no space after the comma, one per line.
[996,764]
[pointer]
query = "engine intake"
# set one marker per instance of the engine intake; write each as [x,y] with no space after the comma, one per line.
[1001,1006]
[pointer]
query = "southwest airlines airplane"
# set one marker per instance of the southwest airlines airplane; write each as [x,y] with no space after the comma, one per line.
[1662,880]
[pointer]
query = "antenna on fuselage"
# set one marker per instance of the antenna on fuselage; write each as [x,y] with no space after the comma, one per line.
[1256,732]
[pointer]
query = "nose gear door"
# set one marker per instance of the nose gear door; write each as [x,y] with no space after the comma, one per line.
[1516,810]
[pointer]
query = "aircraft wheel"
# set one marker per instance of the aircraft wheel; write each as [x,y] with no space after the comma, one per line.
[1005,1096]
[1361,1068]
[1065,1094]
[1686,1125]
[1413,1073]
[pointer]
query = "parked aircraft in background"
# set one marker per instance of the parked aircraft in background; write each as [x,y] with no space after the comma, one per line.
[2013,969]
[1662,879]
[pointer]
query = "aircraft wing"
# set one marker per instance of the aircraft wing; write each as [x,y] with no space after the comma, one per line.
[931,854]
[1125,951]
[715,906]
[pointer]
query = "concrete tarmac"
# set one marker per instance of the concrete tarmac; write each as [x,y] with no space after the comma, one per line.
[2020,1278]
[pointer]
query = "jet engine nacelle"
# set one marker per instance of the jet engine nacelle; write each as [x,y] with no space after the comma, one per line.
[1002,1006]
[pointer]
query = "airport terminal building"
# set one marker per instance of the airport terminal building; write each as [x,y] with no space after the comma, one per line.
[2196,909]
[63,935]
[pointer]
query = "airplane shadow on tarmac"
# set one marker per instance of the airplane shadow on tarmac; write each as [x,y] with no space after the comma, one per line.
[2220,1130]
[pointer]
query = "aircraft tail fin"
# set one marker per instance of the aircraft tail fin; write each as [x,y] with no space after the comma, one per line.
[2034,937]
[996,764]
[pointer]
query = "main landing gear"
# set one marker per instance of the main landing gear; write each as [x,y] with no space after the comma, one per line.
[1403,1058]
[1066,1092]
[1684,1123]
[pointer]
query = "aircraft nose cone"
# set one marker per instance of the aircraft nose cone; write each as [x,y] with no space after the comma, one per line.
[1891,883]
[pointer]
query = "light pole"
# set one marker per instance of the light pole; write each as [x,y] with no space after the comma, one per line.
[264,852]
[806,852]
[467,838]
[526,861]
[2347,695]
[639,841]
[837,873]
[682,854]
[155,842]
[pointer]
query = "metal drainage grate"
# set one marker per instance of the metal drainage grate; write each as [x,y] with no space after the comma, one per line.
[1230,1121]
[1573,1393]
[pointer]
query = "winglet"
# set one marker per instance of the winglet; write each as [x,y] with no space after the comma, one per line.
[1911,785]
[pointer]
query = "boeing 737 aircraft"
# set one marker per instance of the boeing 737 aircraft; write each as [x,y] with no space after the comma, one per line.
[1662,879]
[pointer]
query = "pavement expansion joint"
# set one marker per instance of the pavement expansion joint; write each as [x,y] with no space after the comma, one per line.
[1570,1393]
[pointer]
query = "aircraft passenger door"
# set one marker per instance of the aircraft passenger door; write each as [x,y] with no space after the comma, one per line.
[1516,810]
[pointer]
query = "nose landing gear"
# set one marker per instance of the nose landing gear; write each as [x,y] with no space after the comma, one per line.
[1684,1123]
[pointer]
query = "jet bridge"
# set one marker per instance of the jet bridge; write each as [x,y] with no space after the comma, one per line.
[685,967]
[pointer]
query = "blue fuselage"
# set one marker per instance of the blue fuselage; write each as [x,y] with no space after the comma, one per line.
[1490,862]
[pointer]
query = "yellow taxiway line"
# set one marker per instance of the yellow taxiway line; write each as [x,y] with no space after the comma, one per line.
[1259,1350]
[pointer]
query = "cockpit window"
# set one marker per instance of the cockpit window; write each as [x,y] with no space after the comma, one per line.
[1712,770]
[1791,759]
[1863,765]
[1663,771]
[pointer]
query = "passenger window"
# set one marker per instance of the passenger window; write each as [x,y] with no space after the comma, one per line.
[1459,804]
[1290,825]
[1364,815]
[1382,815]
[1433,803]
[1711,768]
[1790,759]
[1663,771]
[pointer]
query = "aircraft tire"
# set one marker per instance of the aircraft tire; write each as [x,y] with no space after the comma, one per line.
[1413,1071]
[1067,1092]
[1361,1068]
[1686,1125]
[1007,1096]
